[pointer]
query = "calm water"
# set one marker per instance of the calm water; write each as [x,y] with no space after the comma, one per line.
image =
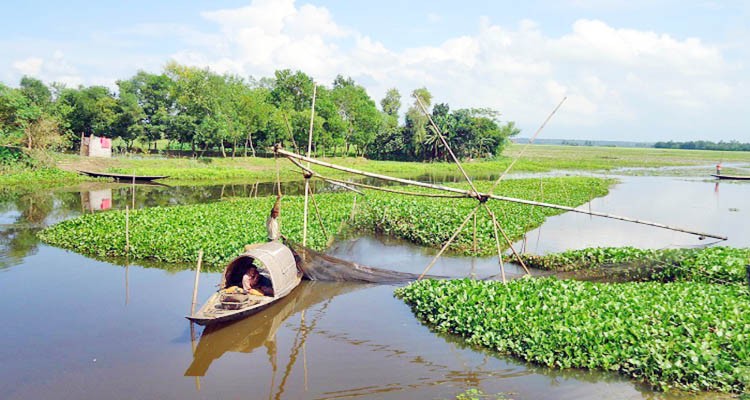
[76,328]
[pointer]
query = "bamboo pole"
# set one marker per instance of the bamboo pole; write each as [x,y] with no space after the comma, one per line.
[133,194]
[445,143]
[499,250]
[510,244]
[307,179]
[127,230]
[354,207]
[500,178]
[195,284]
[470,194]
[474,242]
[325,179]
[445,246]
[317,212]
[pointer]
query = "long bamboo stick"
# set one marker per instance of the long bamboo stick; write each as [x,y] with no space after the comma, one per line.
[307,181]
[317,212]
[470,194]
[321,177]
[496,223]
[445,246]
[500,178]
[195,284]
[127,230]
[499,250]
[389,190]
[445,143]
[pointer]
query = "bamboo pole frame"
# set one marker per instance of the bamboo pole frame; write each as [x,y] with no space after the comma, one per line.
[541,127]
[448,243]
[445,143]
[479,196]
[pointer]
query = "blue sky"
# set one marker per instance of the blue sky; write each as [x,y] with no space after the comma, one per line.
[631,70]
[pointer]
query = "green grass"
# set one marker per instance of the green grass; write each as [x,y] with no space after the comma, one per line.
[175,234]
[537,158]
[690,336]
[20,176]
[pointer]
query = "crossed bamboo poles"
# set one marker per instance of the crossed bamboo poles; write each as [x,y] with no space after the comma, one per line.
[481,198]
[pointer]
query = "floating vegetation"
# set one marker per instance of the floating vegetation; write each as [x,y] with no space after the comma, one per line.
[430,222]
[709,265]
[175,234]
[691,336]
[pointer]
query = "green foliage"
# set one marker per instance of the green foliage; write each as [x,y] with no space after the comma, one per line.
[431,221]
[708,265]
[175,234]
[690,336]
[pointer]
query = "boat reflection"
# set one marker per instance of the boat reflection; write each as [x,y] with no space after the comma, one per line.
[246,335]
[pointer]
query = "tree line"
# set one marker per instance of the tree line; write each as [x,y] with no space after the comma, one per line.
[704,145]
[197,110]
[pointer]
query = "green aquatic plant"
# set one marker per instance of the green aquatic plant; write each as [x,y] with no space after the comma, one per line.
[708,265]
[691,336]
[175,234]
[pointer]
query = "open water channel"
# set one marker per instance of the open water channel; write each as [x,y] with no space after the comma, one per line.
[78,328]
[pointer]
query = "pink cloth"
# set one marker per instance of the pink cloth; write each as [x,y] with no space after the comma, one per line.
[106,143]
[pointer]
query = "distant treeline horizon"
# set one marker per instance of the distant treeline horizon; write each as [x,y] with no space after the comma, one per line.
[732,145]
[203,111]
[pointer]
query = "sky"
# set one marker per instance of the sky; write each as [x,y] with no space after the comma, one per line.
[633,70]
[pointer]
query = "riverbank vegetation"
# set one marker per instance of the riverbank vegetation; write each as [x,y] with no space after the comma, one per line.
[19,168]
[704,145]
[203,112]
[175,234]
[686,335]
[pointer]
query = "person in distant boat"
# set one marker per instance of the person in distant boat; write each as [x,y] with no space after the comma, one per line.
[272,222]
[255,283]
[718,169]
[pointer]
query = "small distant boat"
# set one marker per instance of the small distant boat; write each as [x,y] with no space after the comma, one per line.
[122,177]
[274,260]
[735,177]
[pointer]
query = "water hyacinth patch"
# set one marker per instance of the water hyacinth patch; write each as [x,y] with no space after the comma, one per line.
[709,265]
[689,336]
[175,234]
[431,221]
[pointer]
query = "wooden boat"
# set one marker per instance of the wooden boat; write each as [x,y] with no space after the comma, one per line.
[122,177]
[735,177]
[260,330]
[274,260]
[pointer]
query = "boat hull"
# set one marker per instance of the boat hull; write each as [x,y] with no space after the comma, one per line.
[734,177]
[122,177]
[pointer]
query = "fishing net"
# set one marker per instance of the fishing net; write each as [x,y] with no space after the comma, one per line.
[321,267]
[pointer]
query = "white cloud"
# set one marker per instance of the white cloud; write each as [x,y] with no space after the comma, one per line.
[618,80]
[29,66]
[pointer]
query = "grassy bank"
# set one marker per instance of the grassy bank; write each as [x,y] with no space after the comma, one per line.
[538,158]
[175,234]
[688,335]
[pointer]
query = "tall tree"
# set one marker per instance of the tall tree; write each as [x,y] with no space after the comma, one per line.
[358,110]
[391,103]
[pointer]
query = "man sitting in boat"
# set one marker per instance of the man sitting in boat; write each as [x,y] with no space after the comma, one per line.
[255,283]
[272,222]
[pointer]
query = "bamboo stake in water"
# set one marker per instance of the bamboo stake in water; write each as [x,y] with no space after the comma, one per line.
[133,195]
[195,285]
[127,230]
